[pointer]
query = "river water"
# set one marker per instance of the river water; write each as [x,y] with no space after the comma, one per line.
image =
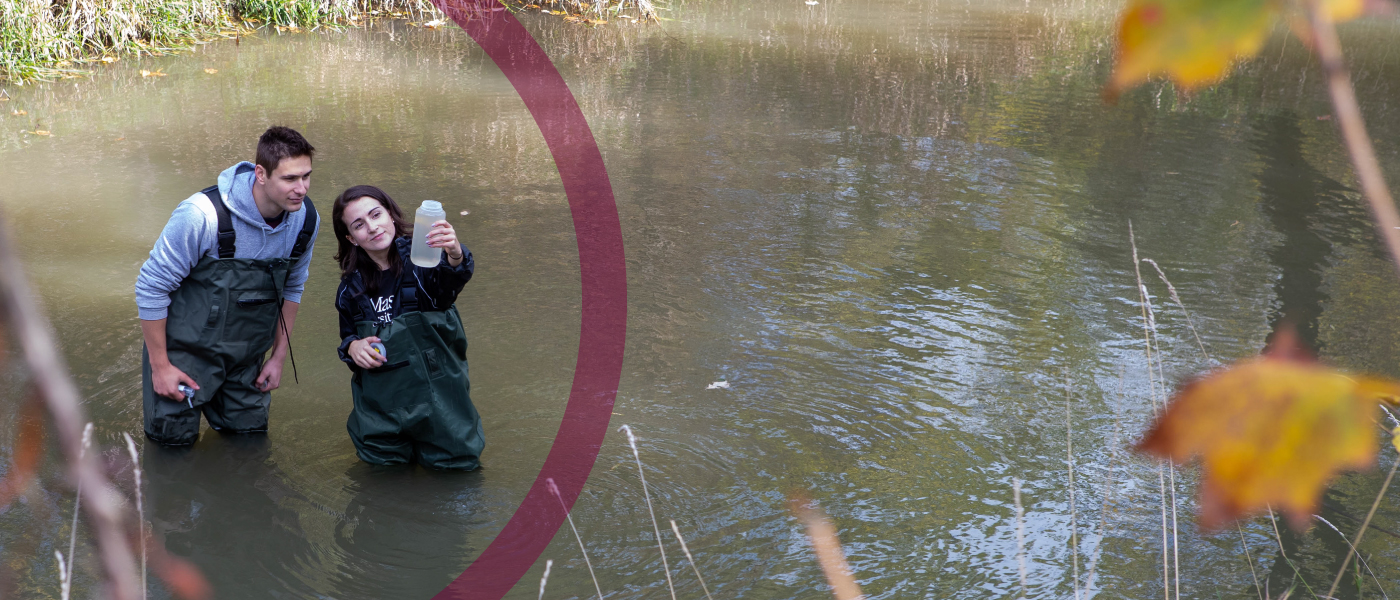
[898,230]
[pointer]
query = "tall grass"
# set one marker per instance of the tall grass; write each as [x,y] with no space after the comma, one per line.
[46,39]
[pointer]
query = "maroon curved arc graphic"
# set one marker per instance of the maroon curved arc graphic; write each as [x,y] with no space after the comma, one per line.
[603,273]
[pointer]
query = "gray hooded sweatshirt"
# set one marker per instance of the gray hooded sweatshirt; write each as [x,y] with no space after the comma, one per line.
[193,232]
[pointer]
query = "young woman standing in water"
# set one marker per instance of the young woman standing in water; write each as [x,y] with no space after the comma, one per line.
[412,396]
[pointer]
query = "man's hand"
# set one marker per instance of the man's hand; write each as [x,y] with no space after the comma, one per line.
[166,380]
[165,377]
[364,356]
[271,375]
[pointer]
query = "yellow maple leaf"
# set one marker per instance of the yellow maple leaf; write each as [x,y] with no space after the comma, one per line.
[1196,42]
[1270,431]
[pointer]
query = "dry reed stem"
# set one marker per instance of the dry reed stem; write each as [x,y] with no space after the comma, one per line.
[632,441]
[1259,591]
[1073,513]
[49,371]
[554,489]
[828,549]
[1108,482]
[1190,323]
[686,550]
[548,563]
[1152,388]
[140,511]
[1360,560]
[77,507]
[1020,533]
[1364,524]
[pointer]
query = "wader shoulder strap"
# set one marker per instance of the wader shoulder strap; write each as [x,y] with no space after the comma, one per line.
[226,235]
[308,227]
[408,293]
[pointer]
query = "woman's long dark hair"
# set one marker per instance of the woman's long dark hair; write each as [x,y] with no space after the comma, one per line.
[353,258]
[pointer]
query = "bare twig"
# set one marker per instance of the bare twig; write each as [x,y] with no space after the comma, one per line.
[1363,155]
[1364,524]
[632,441]
[23,316]
[828,549]
[677,531]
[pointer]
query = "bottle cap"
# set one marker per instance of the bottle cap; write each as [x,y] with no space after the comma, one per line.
[432,206]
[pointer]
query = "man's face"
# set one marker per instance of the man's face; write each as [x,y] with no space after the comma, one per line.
[286,185]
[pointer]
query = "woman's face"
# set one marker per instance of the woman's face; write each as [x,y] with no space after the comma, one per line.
[371,227]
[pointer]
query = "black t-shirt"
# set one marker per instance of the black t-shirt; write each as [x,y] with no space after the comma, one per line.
[384,304]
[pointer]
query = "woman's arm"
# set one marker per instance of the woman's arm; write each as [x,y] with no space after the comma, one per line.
[345,306]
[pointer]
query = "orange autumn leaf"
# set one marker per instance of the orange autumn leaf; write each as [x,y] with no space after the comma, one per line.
[1196,42]
[181,577]
[28,449]
[1270,431]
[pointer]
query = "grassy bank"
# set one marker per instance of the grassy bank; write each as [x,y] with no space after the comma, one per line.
[49,39]
[46,39]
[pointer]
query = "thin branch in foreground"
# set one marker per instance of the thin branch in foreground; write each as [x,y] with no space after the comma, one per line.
[828,549]
[22,316]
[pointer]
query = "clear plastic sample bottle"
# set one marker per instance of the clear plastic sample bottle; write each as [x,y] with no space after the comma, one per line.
[423,219]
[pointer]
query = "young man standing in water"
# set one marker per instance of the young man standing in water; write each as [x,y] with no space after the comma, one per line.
[221,287]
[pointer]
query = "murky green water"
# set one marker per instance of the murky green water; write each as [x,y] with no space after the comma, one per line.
[898,229]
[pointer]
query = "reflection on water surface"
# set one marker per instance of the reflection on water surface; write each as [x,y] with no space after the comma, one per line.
[899,230]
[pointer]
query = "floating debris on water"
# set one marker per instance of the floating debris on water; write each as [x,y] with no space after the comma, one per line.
[155,73]
[718,385]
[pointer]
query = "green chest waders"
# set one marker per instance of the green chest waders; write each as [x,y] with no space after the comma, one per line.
[417,406]
[221,322]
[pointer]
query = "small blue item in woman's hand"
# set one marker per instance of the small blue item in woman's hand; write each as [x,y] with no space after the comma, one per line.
[189,394]
[378,348]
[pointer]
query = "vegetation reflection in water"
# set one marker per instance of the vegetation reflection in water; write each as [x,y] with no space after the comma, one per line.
[894,228]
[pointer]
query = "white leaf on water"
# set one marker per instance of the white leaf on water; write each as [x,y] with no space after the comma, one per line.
[718,385]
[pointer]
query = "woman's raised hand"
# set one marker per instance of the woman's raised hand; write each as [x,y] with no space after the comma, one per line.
[444,236]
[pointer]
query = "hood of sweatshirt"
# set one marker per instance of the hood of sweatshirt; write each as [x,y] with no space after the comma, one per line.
[236,185]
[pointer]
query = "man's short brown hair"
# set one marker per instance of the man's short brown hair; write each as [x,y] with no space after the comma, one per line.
[278,143]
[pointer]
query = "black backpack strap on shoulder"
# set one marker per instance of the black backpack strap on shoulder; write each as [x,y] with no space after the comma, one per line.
[308,227]
[226,235]
[408,292]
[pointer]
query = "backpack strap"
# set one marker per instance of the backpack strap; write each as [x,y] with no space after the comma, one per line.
[408,293]
[308,227]
[226,235]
